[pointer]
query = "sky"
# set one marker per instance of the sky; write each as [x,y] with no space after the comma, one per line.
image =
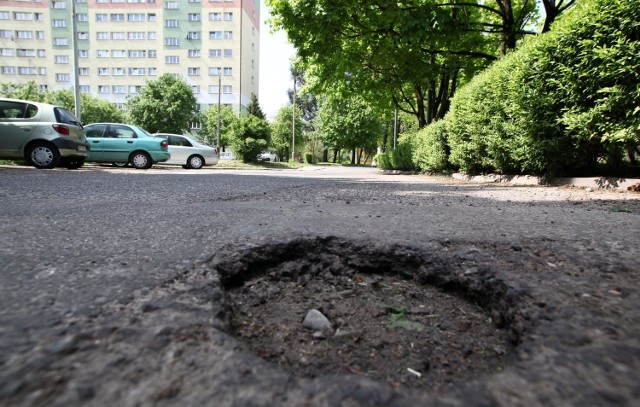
[275,78]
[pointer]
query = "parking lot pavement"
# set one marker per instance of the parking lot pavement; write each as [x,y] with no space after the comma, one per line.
[113,282]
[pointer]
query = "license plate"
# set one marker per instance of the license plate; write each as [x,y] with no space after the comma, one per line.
[82,148]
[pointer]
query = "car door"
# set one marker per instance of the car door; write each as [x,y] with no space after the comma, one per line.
[179,148]
[16,127]
[95,134]
[118,143]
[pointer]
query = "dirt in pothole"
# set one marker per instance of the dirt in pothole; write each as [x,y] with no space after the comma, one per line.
[383,327]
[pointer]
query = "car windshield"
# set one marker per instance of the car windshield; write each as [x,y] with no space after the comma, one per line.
[146,133]
[65,116]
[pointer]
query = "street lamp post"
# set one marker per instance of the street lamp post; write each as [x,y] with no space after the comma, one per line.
[219,95]
[74,42]
[293,122]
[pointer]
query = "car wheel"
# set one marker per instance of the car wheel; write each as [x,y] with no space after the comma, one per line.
[120,164]
[43,155]
[140,160]
[74,164]
[195,162]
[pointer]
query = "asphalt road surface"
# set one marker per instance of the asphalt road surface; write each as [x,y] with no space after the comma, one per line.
[112,282]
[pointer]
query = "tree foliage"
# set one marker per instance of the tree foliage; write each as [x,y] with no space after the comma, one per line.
[254,109]
[209,131]
[282,128]
[166,104]
[250,136]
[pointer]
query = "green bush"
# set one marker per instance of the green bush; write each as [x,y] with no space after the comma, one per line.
[383,161]
[563,102]
[402,156]
[308,158]
[431,151]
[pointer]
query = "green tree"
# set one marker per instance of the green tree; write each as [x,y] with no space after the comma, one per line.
[250,136]
[27,91]
[166,104]
[210,125]
[254,109]
[281,129]
[349,123]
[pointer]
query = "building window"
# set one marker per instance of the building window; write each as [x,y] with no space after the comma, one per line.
[84,88]
[82,17]
[194,53]
[228,35]
[100,35]
[60,41]
[59,4]
[216,71]
[137,53]
[172,59]
[193,71]
[151,17]
[26,52]
[83,71]
[151,35]
[24,35]
[137,71]
[215,53]
[5,15]
[83,35]
[8,70]
[40,35]
[7,52]
[215,16]
[103,71]
[102,53]
[27,70]
[117,71]
[228,71]
[117,17]
[171,23]
[43,53]
[101,17]
[215,35]
[135,17]
[118,35]
[133,89]
[195,89]
[118,53]
[153,53]
[171,5]
[171,42]
[61,59]
[59,23]
[38,16]
[136,35]
[214,89]
[193,17]
[228,53]
[63,77]
[227,16]
[153,71]
[103,89]
[227,89]
[18,16]
[193,35]
[118,89]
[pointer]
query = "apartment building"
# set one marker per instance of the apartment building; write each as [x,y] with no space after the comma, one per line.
[120,44]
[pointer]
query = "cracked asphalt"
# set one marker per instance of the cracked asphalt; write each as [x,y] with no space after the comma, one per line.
[113,282]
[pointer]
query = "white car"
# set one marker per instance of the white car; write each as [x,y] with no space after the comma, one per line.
[268,156]
[188,152]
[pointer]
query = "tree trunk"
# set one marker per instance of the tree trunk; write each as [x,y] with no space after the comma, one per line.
[508,36]
[335,155]
[325,155]
[431,98]
[353,156]
[422,121]
[552,9]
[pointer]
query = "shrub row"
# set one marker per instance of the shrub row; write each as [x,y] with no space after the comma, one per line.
[566,102]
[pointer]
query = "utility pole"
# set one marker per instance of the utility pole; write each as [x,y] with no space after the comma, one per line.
[74,42]
[219,96]
[293,122]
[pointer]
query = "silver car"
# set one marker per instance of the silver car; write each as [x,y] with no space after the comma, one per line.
[45,135]
[188,152]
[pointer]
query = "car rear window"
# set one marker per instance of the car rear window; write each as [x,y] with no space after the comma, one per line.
[65,116]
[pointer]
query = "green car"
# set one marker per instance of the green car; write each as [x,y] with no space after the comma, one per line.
[122,144]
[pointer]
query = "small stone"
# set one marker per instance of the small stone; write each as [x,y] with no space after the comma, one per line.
[316,321]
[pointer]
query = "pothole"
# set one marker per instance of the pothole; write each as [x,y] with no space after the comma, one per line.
[410,318]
